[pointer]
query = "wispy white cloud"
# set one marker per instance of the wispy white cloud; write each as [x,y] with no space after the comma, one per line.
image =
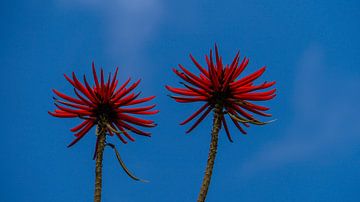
[131,24]
[324,124]
[128,24]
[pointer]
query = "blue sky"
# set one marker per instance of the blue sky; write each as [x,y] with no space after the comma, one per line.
[311,48]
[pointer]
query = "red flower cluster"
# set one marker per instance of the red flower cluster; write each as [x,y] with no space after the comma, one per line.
[218,85]
[104,105]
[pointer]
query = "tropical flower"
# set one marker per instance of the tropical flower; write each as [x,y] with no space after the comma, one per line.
[110,108]
[222,91]
[218,84]
[104,104]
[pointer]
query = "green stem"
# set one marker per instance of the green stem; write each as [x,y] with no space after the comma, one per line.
[98,168]
[212,153]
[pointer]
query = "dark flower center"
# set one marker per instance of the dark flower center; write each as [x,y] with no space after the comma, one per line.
[105,110]
[219,97]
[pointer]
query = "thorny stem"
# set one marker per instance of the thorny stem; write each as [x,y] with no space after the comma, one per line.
[212,153]
[101,133]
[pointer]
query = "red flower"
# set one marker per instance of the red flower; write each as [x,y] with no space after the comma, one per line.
[219,85]
[105,105]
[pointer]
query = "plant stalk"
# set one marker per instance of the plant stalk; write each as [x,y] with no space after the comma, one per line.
[98,168]
[212,153]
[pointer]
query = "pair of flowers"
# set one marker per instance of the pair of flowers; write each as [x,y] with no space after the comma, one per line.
[112,106]
[216,84]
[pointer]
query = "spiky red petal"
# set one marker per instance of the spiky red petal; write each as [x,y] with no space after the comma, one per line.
[219,84]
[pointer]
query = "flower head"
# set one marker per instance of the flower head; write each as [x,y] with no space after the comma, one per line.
[219,85]
[104,104]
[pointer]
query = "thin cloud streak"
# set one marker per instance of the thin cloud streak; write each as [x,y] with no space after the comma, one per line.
[320,128]
[128,24]
[132,23]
